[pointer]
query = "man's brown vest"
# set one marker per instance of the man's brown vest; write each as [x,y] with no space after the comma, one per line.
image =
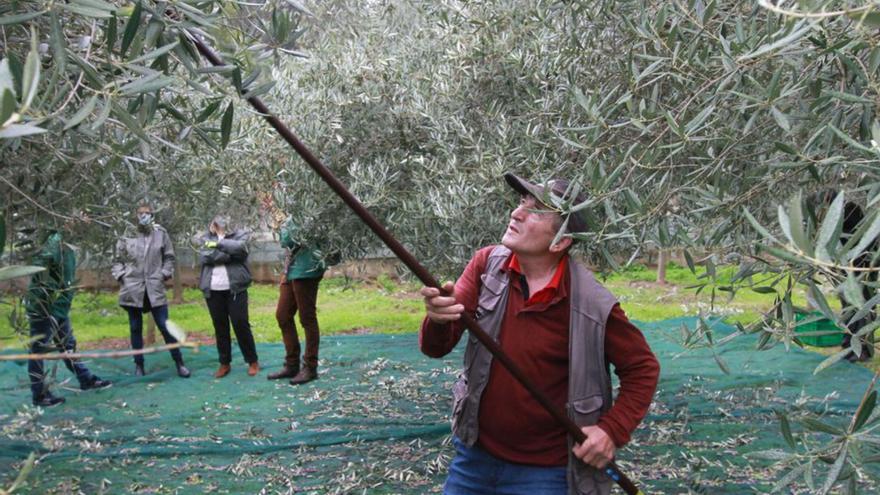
[589,381]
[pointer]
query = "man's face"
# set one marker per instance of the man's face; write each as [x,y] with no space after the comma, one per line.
[532,228]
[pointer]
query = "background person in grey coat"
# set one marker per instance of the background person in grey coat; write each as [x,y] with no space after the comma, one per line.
[224,280]
[143,262]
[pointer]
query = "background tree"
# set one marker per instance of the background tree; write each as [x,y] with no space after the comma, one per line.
[108,103]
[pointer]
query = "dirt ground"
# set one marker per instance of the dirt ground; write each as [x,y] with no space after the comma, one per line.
[123,343]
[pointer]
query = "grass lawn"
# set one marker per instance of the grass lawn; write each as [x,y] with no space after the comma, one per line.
[386,306]
[643,299]
[343,307]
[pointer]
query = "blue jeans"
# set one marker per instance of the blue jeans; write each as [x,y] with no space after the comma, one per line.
[476,472]
[53,334]
[136,327]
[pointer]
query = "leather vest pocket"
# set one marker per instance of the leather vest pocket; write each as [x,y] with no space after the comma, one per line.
[591,481]
[490,294]
[586,410]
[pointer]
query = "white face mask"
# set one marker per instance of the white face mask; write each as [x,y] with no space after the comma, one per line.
[145,218]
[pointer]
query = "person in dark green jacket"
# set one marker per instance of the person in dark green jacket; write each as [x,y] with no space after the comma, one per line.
[48,303]
[298,291]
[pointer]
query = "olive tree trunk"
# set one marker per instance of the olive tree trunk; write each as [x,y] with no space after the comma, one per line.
[662,260]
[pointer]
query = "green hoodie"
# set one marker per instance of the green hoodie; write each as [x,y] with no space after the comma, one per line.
[51,291]
[303,261]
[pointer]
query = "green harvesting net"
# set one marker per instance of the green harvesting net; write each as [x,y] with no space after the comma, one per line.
[377,422]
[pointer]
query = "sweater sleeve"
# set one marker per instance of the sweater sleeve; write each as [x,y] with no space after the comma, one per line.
[437,340]
[638,370]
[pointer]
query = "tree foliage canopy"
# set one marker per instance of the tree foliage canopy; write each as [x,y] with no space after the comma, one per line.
[105,104]
[708,126]
[711,127]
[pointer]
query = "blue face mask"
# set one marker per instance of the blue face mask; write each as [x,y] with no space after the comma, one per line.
[145,218]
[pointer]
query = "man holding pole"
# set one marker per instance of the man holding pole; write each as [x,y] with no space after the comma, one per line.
[550,316]
[442,311]
[48,301]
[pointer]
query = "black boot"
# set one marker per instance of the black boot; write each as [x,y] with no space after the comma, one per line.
[48,400]
[96,383]
[183,371]
[139,370]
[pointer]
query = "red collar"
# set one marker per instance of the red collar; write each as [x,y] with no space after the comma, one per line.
[549,292]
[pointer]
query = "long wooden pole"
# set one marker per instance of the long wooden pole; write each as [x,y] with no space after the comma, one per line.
[53,356]
[413,264]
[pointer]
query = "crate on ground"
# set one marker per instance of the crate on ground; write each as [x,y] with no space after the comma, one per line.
[821,332]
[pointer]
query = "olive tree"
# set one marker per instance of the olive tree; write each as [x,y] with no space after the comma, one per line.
[705,126]
[709,127]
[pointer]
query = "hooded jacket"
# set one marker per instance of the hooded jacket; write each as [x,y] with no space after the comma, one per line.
[142,263]
[51,291]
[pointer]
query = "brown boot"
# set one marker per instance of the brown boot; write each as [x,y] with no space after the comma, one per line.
[306,374]
[284,372]
[222,371]
[253,368]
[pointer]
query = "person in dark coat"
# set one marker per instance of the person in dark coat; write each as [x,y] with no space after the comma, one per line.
[143,262]
[48,301]
[224,280]
[853,215]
